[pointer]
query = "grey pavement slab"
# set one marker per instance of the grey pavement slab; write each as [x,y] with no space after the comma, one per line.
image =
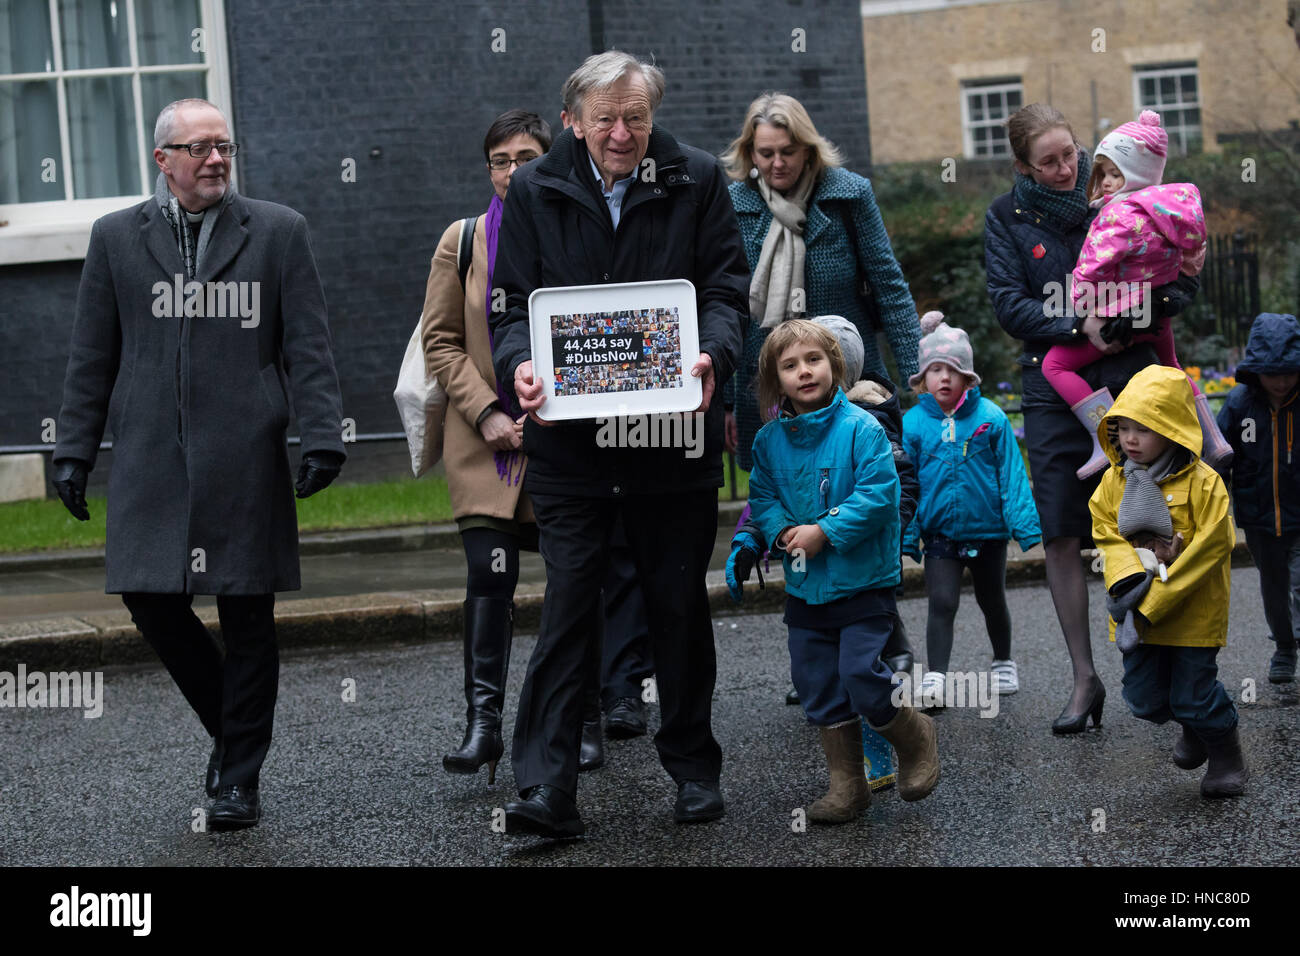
[362,783]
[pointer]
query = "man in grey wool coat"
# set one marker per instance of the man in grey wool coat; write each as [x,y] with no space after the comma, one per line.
[199,313]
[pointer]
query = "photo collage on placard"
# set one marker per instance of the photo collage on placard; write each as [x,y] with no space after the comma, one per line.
[621,351]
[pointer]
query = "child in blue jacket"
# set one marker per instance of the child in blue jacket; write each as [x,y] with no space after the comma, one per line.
[974,497]
[825,492]
[1259,421]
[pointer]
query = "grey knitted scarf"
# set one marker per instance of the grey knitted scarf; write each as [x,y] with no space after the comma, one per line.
[1143,507]
[192,252]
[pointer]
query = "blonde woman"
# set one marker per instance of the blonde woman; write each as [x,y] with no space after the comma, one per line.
[812,234]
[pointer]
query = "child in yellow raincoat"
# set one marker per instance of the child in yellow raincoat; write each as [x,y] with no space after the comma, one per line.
[1153,439]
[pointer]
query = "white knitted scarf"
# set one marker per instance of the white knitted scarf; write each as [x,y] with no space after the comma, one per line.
[780,268]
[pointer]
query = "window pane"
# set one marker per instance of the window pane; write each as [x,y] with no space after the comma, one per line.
[1148,90]
[981,150]
[29,139]
[1168,88]
[1192,117]
[165,31]
[159,89]
[94,34]
[26,43]
[979,134]
[1188,85]
[1013,101]
[976,108]
[101,119]
[995,105]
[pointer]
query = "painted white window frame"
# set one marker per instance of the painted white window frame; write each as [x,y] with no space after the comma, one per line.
[969,87]
[60,230]
[1177,133]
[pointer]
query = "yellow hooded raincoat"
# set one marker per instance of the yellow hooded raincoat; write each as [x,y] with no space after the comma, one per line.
[1191,609]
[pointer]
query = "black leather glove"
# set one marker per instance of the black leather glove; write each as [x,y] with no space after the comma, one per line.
[318,469]
[70,476]
[1173,297]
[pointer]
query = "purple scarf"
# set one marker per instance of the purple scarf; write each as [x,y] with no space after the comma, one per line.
[510,464]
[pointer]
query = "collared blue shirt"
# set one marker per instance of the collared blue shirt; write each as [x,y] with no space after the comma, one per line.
[613,197]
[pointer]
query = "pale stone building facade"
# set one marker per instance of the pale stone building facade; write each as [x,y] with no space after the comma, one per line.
[943,74]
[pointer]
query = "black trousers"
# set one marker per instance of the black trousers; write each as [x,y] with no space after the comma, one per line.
[233,695]
[621,660]
[671,539]
[626,659]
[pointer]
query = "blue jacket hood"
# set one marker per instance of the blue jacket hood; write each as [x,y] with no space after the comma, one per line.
[1273,348]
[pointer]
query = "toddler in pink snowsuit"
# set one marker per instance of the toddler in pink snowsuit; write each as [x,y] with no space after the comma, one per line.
[1144,236]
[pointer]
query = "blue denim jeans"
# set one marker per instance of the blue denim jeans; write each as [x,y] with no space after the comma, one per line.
[838,671]
[1278,561]
[1164,683]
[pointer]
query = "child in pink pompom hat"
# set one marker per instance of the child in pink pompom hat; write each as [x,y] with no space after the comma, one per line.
[1145,235]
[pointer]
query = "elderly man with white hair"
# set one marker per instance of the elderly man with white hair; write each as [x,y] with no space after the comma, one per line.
[619,199]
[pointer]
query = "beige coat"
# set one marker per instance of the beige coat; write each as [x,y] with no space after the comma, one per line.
[456,350]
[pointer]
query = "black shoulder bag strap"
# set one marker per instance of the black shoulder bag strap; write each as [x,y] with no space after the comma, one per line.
[861,284]
[465,251]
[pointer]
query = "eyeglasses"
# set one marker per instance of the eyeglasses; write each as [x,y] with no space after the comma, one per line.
[635,124]
[499,163]
[204,150]
[1054,163]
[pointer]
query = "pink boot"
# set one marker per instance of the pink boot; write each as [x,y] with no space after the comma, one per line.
[1090,412]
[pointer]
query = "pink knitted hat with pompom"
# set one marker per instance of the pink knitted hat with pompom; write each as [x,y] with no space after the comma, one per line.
[941,342]
[1138,150]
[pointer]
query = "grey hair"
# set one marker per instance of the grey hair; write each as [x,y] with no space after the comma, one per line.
[602,70]
[166,125]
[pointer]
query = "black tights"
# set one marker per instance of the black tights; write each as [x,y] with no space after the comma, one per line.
[493,560]
[943,584]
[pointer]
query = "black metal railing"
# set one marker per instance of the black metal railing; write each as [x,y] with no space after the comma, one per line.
[1229,298]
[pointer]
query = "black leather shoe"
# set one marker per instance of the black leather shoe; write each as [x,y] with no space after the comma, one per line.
[591,752]
[212,782]
[897,652]
[792,698]
[236,807]
[698,802]
[1281,667]
[626,718]
[544,811]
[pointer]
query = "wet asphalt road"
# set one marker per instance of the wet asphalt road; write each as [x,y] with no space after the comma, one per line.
[362,783]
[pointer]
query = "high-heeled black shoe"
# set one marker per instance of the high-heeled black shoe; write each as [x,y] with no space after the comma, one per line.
[488,631]
[1071,723]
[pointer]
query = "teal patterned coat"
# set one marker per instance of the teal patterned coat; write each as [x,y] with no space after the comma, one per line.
[830,280]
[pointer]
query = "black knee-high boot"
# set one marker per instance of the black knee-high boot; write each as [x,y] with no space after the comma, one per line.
[489,627]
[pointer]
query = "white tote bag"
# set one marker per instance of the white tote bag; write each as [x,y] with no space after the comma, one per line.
[422,404]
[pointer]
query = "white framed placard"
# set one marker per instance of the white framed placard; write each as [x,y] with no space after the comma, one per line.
[618,349]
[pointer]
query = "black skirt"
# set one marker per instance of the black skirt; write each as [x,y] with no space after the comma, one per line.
[1059,444]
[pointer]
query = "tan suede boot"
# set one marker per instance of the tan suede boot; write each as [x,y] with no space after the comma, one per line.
[915,739]
[849,793]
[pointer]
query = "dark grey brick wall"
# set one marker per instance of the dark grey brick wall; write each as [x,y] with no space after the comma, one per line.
[406,89]
[37,303]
